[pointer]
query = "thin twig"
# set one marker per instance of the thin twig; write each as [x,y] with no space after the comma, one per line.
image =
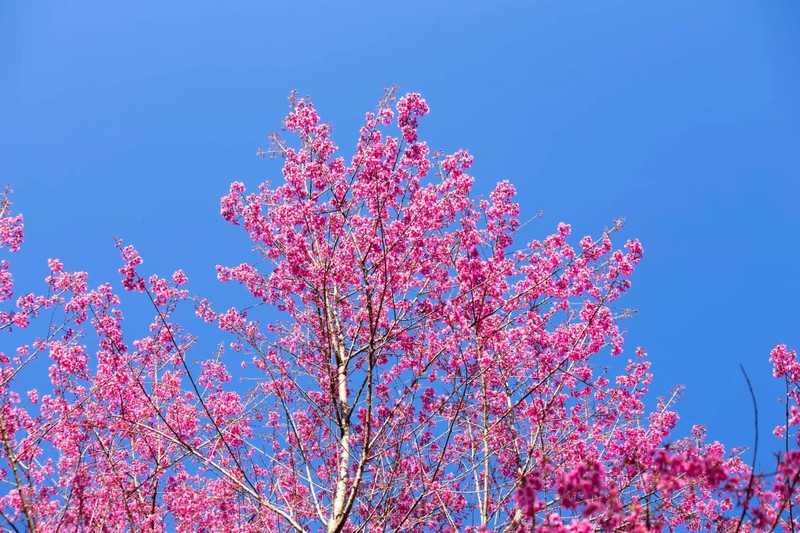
[755,452]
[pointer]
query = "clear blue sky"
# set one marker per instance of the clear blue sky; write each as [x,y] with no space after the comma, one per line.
[131,119]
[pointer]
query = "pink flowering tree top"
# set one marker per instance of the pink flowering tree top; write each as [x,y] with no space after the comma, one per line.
[428,373]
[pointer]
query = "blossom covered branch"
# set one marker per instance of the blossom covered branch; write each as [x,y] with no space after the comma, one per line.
[421,370]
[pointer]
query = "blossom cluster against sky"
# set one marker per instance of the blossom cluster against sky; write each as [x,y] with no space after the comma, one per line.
[683,117]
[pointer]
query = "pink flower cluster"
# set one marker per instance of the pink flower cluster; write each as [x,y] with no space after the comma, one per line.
[428,372]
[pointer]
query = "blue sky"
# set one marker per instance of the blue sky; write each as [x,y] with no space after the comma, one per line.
[131,119]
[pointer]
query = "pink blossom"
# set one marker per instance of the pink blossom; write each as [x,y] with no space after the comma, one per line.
[414,368]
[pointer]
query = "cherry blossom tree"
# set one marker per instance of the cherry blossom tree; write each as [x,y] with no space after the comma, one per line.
[421,371]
